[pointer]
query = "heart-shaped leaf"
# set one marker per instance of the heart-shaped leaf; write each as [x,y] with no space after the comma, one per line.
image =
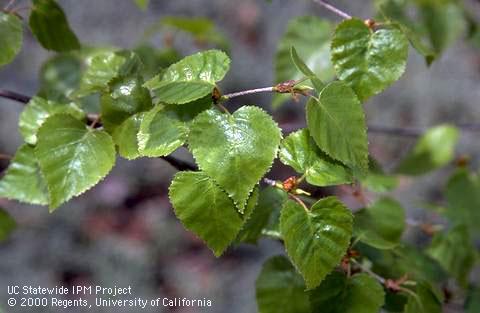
[23,180]
[337,124]
[279,288]
[235,150]
[205,209]
[367,60]
[191,78]
[299,151]
[339,294]
[11,37]
[72,157]
[381,225]
[50,26]
[317,239]
[38,110]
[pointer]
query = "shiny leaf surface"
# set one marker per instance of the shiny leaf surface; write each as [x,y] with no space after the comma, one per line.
[72,157]
[368,61]
[235,150]
[316,240]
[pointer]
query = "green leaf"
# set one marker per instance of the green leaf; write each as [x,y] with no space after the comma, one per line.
[455,252]
[279,288]
[433,150]
[316,240]
[463,197]
[206,210]
[235,150]
[339,294]
[377,180]
[368,61]
[7,224]
[302,67]
[443,20]
[60,76]
[299,151]
[11,37]
[38,110]
[191,78]
[381,225]
[472,304]
[310,36]
[161,132]
[103,67]
[50,26]
[22,180]
[270,199]
[72,157]
[142,4]
[426,300]
[395,12]
[155,60]
[337,124]
[125,136]
[166,126]
[125,97]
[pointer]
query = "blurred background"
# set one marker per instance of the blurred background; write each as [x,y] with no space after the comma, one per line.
[123,232]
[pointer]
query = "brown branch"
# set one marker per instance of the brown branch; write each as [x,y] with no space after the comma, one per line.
[7,94]
[333,9]
[179,164]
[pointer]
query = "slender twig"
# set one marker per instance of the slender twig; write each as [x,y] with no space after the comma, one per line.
[179,164]
[9,4]
[333,9]
[12,95]
[370,272]
[248,92]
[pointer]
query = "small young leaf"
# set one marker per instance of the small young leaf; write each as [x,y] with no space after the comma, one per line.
[310,36]
[455,252]
[433,150]
[339,294]
[125,136]
[103,67]
[299,151]
[72,157]
[381,225]
[279,288]
[22,180]
[38,110]
[368,61]
[11,37]
[235,150]
[50,26]
[269,200]
[125,97]
[463,199]
[7,224]
[316,240]
[337,124]
[302,67]
[191,78]
[426,300]
[205,209]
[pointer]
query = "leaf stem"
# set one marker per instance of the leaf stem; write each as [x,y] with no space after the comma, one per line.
[9,4]
[294,197]
[333,9]
[381,279]
[248,92]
